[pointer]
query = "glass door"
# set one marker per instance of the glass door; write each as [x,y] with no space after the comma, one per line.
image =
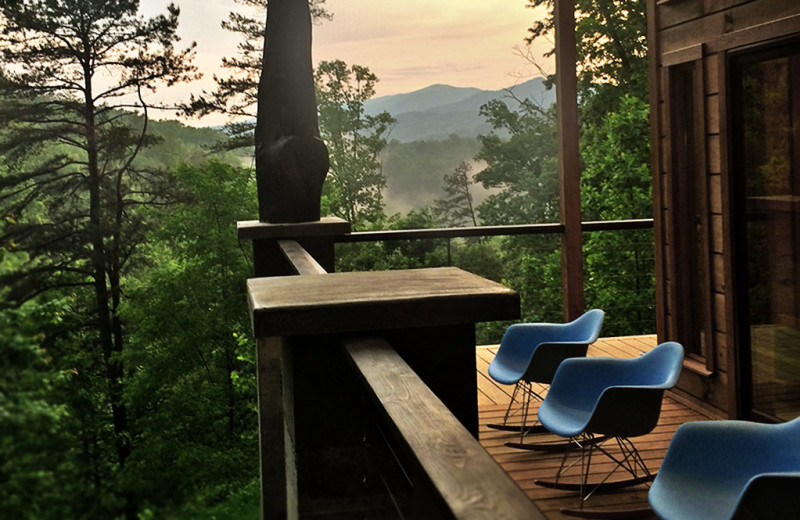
[766,169]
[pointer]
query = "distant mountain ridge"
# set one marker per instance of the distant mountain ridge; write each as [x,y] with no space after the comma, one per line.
[437,111]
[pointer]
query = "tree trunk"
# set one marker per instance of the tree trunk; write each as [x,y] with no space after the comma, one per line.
[105,319]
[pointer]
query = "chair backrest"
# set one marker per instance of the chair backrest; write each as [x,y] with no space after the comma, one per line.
[515,358]
[752,470]
[569,340]
[631,405]
[773,493]
[584,329]
[659,368]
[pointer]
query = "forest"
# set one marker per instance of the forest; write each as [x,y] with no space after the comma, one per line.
[128,386]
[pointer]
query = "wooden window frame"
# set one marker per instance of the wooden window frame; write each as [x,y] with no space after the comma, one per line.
[681,303]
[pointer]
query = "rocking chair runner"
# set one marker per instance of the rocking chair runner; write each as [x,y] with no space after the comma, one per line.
[592,401]
[530,353]
[719,470]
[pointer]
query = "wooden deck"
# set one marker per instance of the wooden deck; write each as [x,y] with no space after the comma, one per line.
[526,466]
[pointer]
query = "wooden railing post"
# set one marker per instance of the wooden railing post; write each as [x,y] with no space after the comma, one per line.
[279,495]
[569,159]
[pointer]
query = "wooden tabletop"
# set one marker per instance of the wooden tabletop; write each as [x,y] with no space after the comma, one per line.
[376,300]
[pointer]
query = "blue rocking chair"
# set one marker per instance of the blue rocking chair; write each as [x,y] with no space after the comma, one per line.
[720,470]
[530,353]
[592,401]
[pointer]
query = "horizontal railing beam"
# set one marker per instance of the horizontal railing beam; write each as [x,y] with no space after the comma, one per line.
[465,477]
[300,260]
[485,231]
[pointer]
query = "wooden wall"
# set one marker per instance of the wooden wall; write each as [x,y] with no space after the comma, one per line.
[696,35]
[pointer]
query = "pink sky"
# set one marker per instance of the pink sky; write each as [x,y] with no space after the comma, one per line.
[409,44]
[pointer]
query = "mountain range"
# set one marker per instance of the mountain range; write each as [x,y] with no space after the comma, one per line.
[438,111]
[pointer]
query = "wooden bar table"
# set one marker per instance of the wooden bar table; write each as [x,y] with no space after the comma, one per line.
[427,315]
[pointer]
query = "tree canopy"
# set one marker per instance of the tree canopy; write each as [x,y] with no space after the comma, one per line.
[355,181]
[72,195]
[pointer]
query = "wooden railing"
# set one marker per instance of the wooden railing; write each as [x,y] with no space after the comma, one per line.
[447,472]
[393,433]
[356,412]
[641,279]
[488,231]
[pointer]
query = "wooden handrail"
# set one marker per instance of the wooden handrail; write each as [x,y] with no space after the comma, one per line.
[466,479]
[484,231]
[300,260]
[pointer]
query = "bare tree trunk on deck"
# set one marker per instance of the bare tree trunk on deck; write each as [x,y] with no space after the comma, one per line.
[291,159]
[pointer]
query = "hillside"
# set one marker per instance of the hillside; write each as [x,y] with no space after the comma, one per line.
[438,111]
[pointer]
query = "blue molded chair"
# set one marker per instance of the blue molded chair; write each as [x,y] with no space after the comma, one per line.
[595,400]
[531,352]
[718,470]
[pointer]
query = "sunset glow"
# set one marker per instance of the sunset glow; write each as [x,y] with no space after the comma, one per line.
[409,44]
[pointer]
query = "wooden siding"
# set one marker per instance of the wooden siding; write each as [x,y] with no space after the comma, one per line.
[698,34]
[527,466]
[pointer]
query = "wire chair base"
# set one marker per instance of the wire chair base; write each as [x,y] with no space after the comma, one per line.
[629,460]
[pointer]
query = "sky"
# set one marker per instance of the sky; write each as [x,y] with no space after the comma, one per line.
[408,44]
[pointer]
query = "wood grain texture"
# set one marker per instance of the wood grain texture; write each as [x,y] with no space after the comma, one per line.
[344,302]
[569,177]
[299,259]
[472,485]
[276,431]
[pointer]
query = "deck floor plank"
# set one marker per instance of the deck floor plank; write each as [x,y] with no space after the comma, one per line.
[527,466]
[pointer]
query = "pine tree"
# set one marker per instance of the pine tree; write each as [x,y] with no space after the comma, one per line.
[71,194]
[457,209]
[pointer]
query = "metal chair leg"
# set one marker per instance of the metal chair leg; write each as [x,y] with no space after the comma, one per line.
[630,460]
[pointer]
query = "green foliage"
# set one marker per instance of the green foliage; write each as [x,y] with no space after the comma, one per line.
[523,165]
[521,155]
[177,144]
[74,199]
[32,447]
[355,182]
[615,181]
[191,354]
[414,170]
[616,185]
[611,51]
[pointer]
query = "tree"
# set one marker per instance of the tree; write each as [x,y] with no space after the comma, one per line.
[611,51]
[616,185]
[72,195]
[355,180]
[522,161]
[457,209]
[192,354]
[237,94]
